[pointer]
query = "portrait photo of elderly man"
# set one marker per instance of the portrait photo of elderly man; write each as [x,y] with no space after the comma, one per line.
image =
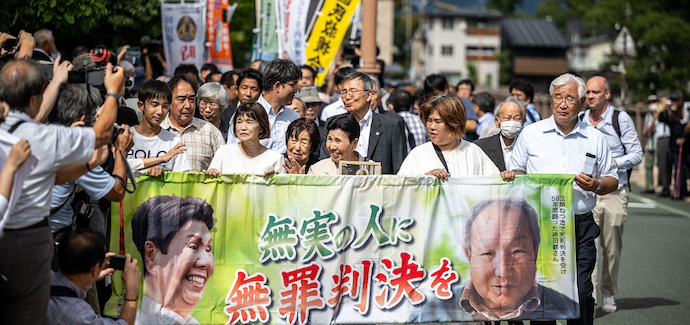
[501,242]
[172,234]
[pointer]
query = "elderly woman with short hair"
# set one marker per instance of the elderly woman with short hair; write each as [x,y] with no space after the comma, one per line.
[213,99]
[446,154]
[302,140]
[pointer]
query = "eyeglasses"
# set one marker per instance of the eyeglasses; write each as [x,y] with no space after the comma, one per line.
[568,100]
[351,92]
[292,84]
[203,104]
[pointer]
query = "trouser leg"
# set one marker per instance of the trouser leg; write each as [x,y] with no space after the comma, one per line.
[664,163]
[649,158]
[586,252]
[25,258]
[610,214]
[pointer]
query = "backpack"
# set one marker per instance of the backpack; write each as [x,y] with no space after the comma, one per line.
[617,128]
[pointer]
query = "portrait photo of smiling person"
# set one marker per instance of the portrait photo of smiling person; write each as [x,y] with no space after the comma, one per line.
[501,242]
[172,234]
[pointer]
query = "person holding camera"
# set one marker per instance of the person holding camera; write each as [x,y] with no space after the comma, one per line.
[83,261]
[26,248]
[74,103]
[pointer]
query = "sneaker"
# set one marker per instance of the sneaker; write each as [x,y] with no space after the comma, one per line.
[609,304]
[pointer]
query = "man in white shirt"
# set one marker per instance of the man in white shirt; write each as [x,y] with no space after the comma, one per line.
[155,149]
[611,209]
[562,144]
[337,107]
[280,80]
[201,138]
[27,245]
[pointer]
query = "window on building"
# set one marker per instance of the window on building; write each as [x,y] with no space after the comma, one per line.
[486,51]
[447,50]
[447,23]
[430,49]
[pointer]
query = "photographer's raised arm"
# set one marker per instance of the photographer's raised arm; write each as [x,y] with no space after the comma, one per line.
[124,141]
[60,75]
[114,84]
[26,45]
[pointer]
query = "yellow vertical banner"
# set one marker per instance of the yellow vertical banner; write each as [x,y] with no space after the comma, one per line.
[327,34]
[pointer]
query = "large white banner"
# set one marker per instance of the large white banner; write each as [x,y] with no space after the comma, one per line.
[294,24]
[184,33]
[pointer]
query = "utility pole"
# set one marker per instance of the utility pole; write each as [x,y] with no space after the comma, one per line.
[368,46]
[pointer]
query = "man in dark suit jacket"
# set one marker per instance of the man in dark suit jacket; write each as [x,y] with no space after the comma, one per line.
[386,141]
[509,117]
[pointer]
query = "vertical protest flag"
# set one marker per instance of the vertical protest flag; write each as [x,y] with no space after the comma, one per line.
[184,32]
[294,24]
[218,18]
[268,25]
[327,34]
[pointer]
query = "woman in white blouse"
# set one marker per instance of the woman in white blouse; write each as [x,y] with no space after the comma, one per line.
[248,156]
[446,154]
[343,136]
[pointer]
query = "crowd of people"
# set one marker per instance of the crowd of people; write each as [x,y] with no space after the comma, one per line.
[270,119]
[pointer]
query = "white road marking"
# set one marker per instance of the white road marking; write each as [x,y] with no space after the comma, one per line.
[658,205]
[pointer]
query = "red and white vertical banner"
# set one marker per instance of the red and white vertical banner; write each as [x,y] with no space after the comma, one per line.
[294,24]
[184,33]
[218,16]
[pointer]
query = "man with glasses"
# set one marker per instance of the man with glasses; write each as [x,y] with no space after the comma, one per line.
[280,78]
[382,136]
[201,138]
[562,144]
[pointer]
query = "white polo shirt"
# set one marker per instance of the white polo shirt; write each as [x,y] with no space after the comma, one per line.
[542,148]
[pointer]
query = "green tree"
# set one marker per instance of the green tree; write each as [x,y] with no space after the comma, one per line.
[507,7]
[661,30]
[111,23]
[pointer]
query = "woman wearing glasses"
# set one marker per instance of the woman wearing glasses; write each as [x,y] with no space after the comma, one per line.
[213,99]
[446,154]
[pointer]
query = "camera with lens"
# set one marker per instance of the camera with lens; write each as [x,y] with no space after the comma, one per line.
[93,76]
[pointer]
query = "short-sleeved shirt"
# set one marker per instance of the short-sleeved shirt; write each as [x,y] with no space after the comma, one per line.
[97,183]
[153,147]
[53,146]
[201,139]
[542,148]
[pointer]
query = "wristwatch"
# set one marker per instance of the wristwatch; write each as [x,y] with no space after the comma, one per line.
[598,189]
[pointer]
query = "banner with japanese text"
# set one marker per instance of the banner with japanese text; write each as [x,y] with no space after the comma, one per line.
[268,29]
[294,23]
[184,34]
[296,249]
[327,34]
[218,17]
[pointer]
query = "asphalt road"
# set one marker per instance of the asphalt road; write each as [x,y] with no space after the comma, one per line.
[654,279]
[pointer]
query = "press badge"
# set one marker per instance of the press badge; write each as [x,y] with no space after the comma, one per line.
[590,161]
